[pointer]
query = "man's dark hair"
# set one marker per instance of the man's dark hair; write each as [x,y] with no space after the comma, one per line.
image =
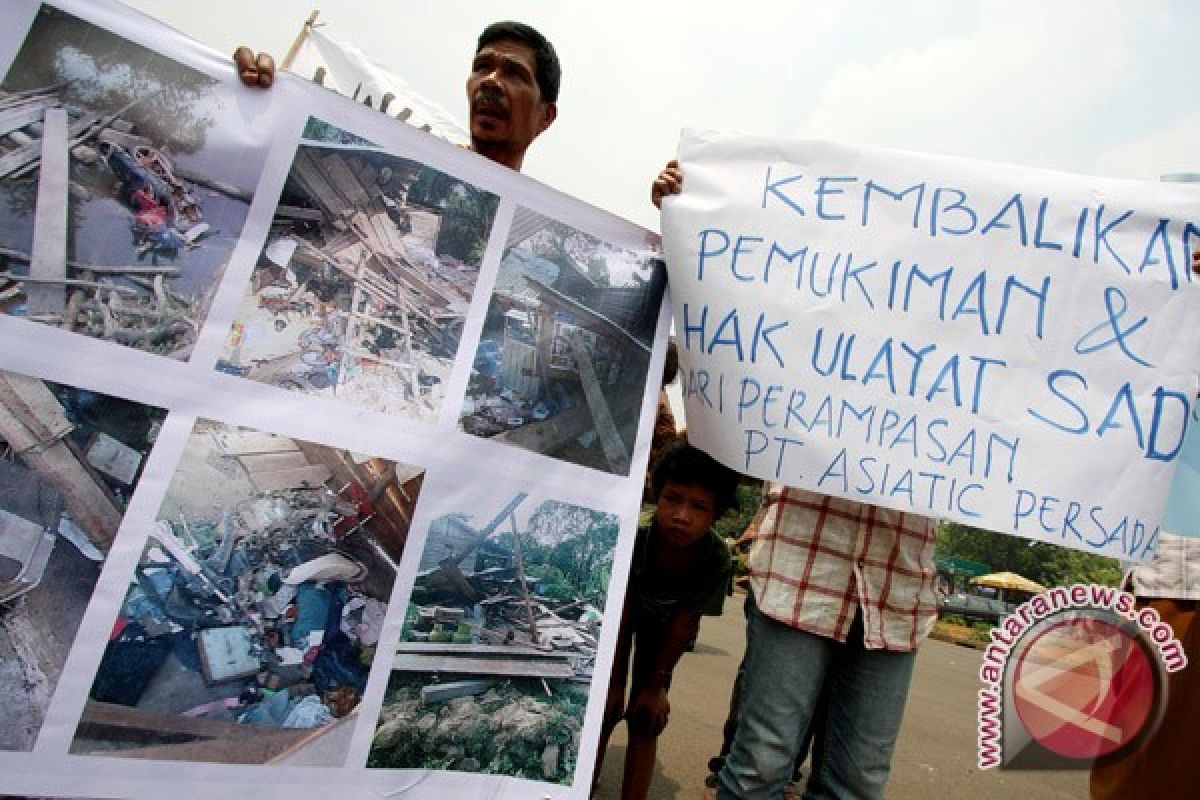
[686,465]
[547,69]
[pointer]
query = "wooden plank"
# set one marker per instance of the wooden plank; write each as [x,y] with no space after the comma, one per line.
[246,442]
[12,99]
[409,277]
[517,550]
[270,462]
[19,115]
[366,355]
[611,442]
[261,748]
[324,746]
[296,212]
[305,477]
[481,651]
[586,317]
[370,288]
[38,409]
[346,182]
[484,650]
[167,272]
[552,434]
[48,259]
[17,255]
[17,162]
[515,668]
[86,501]
[312,180]
[39,282]
[441,692]
[123,723]
[380,230]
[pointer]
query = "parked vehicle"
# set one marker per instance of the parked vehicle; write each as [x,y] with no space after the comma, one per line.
[974,608]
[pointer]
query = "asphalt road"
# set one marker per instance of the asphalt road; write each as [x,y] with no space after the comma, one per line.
[935,756]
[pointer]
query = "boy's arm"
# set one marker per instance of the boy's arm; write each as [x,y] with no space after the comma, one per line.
[651,699]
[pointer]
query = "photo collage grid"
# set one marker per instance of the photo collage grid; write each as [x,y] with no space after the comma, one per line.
[256,608]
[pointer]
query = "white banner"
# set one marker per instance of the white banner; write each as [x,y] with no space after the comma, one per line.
[322,438]
[1005,347]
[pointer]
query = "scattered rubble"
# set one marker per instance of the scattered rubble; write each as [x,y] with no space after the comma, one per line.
[491,674]
[492,621]
[506,730]
[69,460]
[357,294]
[561,364]
[130,303]
[264,615]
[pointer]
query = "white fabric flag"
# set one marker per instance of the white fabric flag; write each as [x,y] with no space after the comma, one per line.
[349,71]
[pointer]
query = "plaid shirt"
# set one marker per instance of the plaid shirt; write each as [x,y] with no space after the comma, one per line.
[816,559]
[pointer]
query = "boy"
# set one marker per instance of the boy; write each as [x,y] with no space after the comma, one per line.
[681,570]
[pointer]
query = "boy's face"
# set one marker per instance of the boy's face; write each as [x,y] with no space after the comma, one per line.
[685,513]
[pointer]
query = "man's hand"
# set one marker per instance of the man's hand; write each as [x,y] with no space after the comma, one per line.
[669,181]
[256,71]
[648,711]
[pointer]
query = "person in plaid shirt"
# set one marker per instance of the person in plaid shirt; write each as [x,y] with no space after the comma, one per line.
[841,594]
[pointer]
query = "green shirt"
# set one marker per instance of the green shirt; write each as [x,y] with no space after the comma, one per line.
[658,595]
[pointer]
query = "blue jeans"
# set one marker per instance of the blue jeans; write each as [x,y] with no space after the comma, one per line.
[785,671]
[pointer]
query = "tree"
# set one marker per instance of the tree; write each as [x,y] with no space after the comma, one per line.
[579,542]
[572,249]
[1047,564]
[597,270]
[734,523]
[318,130]
[466,223]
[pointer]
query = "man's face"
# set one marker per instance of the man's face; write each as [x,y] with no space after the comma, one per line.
[507,110]
[685,513]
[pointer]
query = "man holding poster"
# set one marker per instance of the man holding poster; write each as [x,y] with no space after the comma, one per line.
[824,337]
[512,89]
[841,594]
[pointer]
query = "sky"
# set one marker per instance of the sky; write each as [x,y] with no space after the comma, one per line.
[1096,87]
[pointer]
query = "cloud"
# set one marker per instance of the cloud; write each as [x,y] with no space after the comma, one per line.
[635,74]
[1171,149]
[1024,85]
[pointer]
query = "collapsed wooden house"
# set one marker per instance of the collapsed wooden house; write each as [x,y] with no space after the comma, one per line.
[565,334]
[519,634]
[34,424]
[346,209]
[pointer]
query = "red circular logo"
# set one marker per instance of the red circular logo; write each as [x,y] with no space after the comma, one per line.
[1084,688]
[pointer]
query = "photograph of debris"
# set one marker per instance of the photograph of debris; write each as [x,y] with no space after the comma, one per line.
[499,641]
[363,286]
[561,365]
[252,618]
[69,462]
[125,179]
